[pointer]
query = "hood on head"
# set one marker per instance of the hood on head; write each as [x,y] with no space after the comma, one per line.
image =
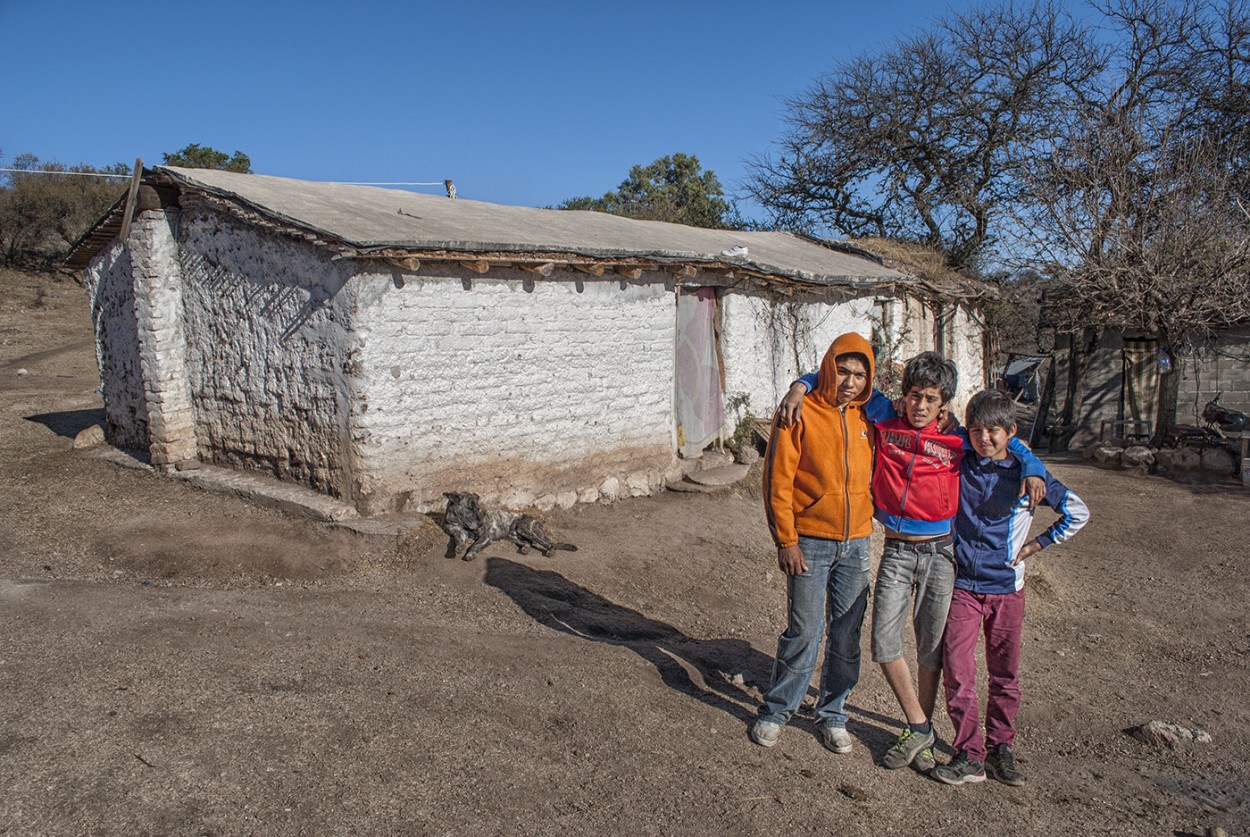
[827,378]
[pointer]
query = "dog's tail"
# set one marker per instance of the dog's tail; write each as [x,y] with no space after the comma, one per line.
[567,547]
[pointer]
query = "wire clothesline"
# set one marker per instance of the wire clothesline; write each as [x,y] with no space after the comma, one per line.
[385,183]
[340,182]
[78,173]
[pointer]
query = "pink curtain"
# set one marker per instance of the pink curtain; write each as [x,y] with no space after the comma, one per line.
[698,402]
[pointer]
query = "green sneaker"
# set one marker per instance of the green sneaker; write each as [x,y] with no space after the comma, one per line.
[909,745]
[1000,763]
[962,770]
[924,761]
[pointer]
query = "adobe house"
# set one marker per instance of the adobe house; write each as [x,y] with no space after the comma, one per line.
[382,346]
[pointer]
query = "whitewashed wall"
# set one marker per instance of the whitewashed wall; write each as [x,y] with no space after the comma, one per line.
[542,393]
[270,351]
[760,338]
[911,322]
[110,287]
[966,346]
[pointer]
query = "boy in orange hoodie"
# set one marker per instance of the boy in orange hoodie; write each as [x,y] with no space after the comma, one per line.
[819,509]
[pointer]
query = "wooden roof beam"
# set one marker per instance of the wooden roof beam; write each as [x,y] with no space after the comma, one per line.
[544,270]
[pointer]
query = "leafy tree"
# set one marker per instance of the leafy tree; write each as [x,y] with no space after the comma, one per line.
[196,156]
[46,206]
[673,188]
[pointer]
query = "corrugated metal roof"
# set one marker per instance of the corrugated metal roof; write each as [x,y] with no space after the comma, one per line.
[365,218]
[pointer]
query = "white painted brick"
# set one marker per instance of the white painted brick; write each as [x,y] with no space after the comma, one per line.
[537,382]
[759,342]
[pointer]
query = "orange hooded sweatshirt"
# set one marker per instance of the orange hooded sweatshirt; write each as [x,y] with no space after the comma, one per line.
[817,471]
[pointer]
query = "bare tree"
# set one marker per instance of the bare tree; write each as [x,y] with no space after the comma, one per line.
[1140,209]
[921,142]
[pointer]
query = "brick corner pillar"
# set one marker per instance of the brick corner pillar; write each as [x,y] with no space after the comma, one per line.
[162,339]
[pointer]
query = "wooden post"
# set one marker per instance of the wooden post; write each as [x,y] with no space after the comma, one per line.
[135,177]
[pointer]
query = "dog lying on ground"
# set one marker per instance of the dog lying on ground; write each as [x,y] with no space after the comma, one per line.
[467,521]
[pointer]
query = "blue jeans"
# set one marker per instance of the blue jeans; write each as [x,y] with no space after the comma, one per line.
[830,598]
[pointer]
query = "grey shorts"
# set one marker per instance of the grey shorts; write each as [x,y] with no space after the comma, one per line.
[925,569]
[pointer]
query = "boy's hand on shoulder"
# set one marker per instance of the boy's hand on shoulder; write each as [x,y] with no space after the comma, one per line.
[791,561]
[791,406]
[1035,489]
[1027,551]
[947,423]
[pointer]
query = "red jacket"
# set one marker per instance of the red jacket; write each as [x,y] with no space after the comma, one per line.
[915,481]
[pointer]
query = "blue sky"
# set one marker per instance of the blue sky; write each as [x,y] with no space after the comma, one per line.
[519,103]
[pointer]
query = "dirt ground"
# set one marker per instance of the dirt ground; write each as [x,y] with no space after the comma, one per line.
[174,661]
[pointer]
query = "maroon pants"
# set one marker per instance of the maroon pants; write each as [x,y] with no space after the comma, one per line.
[1001,617]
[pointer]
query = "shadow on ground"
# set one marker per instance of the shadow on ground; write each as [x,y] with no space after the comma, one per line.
[552,600]
[69,423]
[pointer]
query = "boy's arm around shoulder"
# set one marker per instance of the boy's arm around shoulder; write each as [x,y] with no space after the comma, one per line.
[791,407]
[1032,472]
[879,407]
[1030,465]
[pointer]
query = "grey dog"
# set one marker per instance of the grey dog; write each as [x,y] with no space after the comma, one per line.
[467,521]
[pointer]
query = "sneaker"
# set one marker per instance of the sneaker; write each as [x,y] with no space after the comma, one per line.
[765,733]
[961,770]
[908,746]
[836,739]
[924,760]
[1000,763]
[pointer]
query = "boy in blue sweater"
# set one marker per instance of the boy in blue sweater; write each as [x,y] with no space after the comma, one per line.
[991,544]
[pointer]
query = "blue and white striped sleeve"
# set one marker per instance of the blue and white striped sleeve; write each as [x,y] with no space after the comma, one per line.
[1073,513]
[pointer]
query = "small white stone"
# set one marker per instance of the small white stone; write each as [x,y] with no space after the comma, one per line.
[638,484]
[610,489]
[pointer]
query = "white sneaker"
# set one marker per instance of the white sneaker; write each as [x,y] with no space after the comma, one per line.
[765,733]
[836,739]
